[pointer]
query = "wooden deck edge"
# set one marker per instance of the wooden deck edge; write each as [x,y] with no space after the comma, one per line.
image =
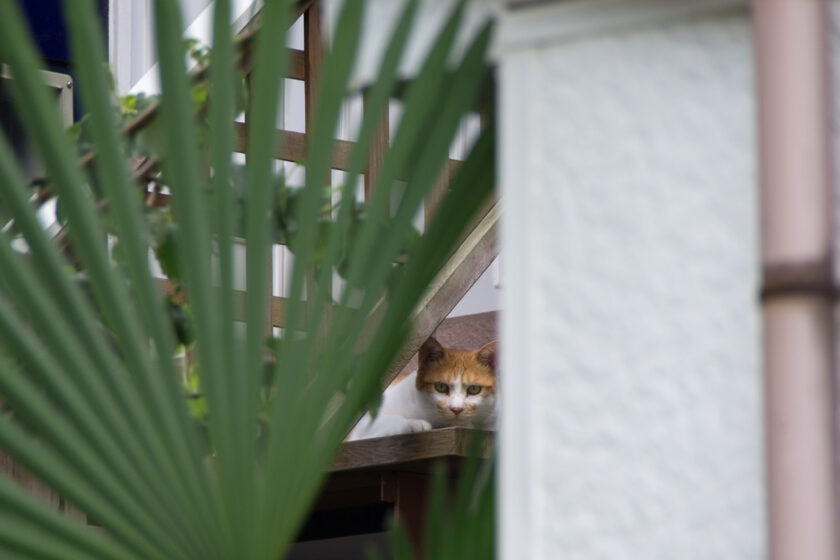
[406,448]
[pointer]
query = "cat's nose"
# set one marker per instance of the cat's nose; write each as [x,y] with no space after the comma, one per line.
[457,409]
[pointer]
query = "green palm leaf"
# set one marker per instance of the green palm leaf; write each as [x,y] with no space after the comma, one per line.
[98,412]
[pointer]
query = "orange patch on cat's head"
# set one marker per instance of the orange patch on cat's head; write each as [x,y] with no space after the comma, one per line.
[437,364]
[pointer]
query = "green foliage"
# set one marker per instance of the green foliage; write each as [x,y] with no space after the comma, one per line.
[222,457]
[459,524]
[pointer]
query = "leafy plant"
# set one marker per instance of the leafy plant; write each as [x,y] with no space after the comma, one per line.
[99,412]
[459,523]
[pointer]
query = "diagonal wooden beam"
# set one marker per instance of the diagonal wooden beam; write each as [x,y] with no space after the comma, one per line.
[464,267]
[467,263]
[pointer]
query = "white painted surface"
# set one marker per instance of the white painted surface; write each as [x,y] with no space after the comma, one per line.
[381,17]
[632,419]
[485,295]
[131,44]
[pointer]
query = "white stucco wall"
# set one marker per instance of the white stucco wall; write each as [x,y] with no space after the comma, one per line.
[632,420]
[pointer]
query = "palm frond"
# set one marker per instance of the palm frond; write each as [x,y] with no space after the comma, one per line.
[98,412]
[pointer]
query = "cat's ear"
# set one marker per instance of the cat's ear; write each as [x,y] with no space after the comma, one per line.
[430,352]
[486,356]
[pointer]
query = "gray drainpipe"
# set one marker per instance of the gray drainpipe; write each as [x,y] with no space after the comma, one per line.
[798,293]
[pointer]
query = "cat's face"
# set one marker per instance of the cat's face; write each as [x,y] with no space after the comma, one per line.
[459,384]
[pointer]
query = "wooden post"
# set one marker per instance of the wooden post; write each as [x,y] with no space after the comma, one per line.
[436,194]
[410,505]
[379,147]
[464,267]
[313,58]
[313,44]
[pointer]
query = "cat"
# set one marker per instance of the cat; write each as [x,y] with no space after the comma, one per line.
[450,388]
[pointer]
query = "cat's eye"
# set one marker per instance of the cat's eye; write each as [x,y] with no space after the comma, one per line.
[473,389]
[442,388]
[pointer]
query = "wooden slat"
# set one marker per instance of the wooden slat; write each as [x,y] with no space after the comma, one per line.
[297,65]
[436,195]
[7,465]
[291,146]
[270,316]
[10,469]
[313,43]
[295,69]
[407,448]
[14,471]
[278,311]
[72,511]
[378,149]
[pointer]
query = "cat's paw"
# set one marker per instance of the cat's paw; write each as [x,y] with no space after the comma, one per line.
[417,426]
[386,425]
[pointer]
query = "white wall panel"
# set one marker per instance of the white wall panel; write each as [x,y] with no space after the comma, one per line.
[632,420]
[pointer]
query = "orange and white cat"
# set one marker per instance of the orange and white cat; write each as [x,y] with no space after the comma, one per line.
[450,388]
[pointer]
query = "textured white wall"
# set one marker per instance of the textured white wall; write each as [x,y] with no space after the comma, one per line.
[632,422]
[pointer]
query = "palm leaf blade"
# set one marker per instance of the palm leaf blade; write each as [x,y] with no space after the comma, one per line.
[131,229]
[86,233]
[99,415]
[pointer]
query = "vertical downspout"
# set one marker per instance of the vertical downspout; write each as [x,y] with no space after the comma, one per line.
[797,204]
